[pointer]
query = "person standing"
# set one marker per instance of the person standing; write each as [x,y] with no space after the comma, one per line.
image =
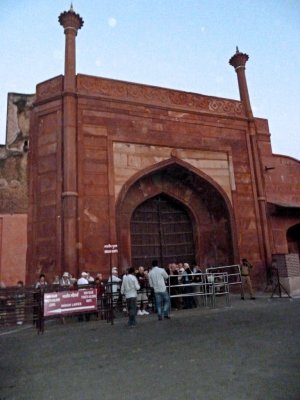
[65,280]
[41,283]
[174,286]
[245,274]
[142,298]
[157,277]
[129,289]
[114,283]
[82,281]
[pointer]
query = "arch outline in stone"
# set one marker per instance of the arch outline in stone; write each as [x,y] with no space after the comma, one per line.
[123,233]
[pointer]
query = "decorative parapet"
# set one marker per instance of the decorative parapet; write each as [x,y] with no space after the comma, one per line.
[49,88]
[120,90]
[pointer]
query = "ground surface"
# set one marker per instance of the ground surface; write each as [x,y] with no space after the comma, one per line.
[248,351]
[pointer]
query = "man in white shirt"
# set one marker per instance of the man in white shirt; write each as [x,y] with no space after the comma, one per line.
[157,277]
[83,280]
[114,285]
[129,289]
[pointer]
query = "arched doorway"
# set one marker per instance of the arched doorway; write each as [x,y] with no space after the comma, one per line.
[293,239]
[196,195]
[161,229]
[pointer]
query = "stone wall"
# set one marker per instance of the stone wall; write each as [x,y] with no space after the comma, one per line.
[13,247]
[288,266]
[14,189]
[124,129]
[13,156]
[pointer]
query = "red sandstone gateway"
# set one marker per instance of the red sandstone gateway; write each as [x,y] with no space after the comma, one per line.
[164,174]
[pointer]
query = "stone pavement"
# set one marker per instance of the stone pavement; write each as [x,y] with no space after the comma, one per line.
[250,351]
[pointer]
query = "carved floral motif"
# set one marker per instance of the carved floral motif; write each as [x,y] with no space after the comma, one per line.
[159,96]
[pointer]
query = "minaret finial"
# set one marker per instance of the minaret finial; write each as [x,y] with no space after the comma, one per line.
[71,7]
[237,49]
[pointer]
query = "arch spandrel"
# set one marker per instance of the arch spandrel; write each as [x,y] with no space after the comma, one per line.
[131,159]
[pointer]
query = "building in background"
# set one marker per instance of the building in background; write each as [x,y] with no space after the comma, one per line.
[165,174]
[13,189]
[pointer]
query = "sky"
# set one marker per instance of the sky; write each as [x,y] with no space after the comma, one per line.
[177,44]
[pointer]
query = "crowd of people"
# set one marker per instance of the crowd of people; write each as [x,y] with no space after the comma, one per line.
[143,289]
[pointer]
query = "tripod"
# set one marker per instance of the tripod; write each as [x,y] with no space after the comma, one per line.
[278,285]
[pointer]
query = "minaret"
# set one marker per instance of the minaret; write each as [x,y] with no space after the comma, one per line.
[238,61]
[71,23]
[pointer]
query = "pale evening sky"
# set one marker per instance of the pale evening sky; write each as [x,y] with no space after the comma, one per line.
[178,44]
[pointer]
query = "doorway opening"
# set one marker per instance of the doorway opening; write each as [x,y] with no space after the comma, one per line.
[161,229]
[293,239]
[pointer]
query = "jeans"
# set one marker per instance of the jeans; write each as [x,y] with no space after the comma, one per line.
[131,306]
[162,303]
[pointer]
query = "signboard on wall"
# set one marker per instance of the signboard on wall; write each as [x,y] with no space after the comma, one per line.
[69,302]
[110,248]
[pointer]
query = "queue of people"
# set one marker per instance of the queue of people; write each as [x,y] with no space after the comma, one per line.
[142,289]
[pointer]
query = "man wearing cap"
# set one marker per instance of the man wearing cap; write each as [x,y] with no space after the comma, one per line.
[65,280]
[129,289]
[83,280]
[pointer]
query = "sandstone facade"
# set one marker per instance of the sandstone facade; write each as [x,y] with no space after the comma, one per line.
[162,173]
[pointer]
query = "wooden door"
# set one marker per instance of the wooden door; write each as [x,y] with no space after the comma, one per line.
[161,230]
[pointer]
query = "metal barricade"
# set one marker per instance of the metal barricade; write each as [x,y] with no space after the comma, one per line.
[186,290]
[233,272]
[206,286]
[18,306]
[218,285]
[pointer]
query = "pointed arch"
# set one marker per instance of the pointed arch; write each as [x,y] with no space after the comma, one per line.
[207,204]
[293,238]
[163,164]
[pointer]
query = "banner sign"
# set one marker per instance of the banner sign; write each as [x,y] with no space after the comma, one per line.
[110,248]
[73,301]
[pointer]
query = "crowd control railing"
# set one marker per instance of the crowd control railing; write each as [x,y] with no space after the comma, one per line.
[18,306]
[218,285]
[30,305]
[233,272]
[206,286]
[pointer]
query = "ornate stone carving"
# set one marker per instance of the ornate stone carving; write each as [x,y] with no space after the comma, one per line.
[159,96]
